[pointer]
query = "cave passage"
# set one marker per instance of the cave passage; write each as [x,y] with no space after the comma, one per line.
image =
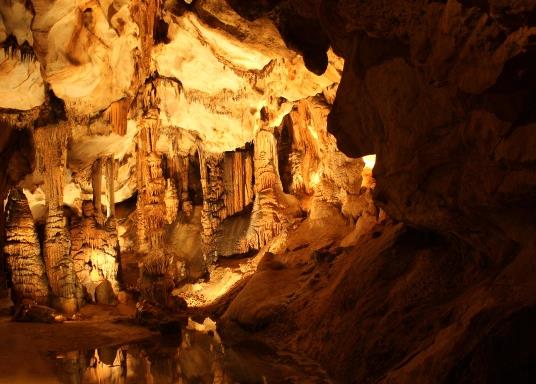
[267,191]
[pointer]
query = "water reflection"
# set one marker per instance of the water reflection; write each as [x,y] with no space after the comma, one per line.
[193,357]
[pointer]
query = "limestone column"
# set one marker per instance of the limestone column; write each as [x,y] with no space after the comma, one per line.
[51,148]
[23,252]
[268,217]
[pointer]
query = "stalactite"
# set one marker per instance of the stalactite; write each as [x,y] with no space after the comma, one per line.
[238,180]
[18,119]
[24,52]
[94,250]
[23,252]
[51,148]
[145,13]
[117,115]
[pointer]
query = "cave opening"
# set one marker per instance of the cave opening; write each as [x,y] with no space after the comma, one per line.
[267,191]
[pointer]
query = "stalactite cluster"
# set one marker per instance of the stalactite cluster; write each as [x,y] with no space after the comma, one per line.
[117,115]
[238,179]
[152,133]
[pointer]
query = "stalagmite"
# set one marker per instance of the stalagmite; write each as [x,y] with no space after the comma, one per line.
[23,252]
[51,144]
[268,217]
[213,199]
[305,156]
[151,187]
[94,250]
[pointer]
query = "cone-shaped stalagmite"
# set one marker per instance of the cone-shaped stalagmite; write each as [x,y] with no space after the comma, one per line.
[268,217]
[23,252]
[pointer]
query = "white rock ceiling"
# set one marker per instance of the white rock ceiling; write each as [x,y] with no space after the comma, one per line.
[216,79]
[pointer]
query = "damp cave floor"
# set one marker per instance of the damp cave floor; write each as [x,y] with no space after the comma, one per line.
[23,346]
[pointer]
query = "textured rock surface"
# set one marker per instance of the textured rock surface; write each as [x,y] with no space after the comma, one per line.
[204,129]
[23,252]
[94,250]
[443,94]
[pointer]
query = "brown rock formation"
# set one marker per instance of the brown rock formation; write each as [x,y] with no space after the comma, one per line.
[151,188]
[23,252]
[443,94]
[51,144]
[268,218]
[94,250]
[205,127]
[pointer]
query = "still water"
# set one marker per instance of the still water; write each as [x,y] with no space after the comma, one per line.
[192,357]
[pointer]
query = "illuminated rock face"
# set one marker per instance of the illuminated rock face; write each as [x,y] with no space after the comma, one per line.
[183,133]
[143,99]
[23,252]
[94,250]
[442,92]
[157,102]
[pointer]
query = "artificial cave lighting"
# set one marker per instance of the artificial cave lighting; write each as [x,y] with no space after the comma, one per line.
[369,160]
[185,197]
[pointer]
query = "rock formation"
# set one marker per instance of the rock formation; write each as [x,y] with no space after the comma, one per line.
[372,160]
[51,144]
[94,250]
[23,252]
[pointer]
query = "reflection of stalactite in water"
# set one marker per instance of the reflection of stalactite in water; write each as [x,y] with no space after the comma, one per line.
[102,365]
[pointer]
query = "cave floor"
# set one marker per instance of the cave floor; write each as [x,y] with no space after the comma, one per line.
[24,346]
[99,349]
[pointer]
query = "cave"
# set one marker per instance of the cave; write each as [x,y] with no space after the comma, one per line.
[267,191]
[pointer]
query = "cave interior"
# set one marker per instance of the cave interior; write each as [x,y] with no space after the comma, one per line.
[267,191]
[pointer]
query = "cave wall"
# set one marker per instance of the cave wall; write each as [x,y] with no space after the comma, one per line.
[442,92]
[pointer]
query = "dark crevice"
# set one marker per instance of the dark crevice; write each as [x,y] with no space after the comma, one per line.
[52,111]
[195,190]
[160,34]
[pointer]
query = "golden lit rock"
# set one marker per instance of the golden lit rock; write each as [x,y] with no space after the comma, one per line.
[345,188]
